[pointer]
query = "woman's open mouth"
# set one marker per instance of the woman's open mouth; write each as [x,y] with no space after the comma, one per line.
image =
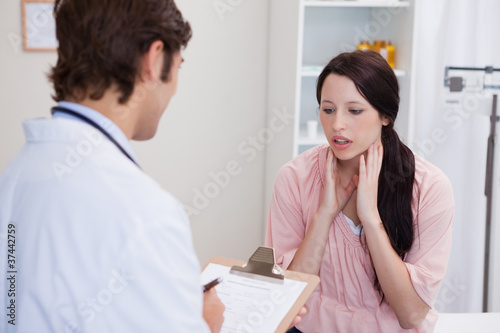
[340,142]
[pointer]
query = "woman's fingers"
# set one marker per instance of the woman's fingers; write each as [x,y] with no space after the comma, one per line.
[352,185]
[380,156]
[373,161]
[332,167]
[335,163]
[369,170]
[355,179]
[362,168]
[329,161]
[371,164]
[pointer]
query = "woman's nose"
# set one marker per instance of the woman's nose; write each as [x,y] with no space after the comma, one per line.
[338,123]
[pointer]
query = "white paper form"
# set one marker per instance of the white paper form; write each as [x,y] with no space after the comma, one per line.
[252,305]
[40,26]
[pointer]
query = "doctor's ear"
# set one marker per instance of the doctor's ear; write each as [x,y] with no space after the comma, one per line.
[152,62]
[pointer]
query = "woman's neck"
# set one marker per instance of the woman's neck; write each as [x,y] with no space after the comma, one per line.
[347,169]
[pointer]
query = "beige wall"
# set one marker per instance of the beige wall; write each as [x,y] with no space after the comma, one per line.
[220,104]
[24,91]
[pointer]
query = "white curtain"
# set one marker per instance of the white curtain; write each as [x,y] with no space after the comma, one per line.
[453,135]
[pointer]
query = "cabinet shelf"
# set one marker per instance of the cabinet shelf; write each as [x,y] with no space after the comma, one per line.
[354,3]
[315,71]
[306,141]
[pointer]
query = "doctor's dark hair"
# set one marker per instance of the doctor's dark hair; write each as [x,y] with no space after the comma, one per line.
[101,43]
[376,82]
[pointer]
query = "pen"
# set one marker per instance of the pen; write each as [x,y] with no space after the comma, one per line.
[211,284]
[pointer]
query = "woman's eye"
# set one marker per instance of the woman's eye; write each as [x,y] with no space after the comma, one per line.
[353,111]
[328,111]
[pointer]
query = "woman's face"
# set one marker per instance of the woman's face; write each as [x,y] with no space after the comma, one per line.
[350,123]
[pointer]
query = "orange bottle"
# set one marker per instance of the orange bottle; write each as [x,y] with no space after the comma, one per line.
[390,53]
[380,47]
[363,45]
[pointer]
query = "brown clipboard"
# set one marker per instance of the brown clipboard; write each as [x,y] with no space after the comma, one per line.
[311,280]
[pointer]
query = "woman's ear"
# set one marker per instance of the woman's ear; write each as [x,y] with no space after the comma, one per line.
[386,120]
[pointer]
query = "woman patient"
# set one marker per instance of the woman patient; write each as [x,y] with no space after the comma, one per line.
[363,212]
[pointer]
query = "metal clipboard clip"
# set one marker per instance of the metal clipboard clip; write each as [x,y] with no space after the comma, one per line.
[261,265]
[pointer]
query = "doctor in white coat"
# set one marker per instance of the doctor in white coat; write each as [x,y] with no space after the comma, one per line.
[89,242]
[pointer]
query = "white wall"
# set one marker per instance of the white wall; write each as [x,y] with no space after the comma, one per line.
[220,103]
[24,91]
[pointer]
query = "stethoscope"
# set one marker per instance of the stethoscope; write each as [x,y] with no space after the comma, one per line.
[95,125]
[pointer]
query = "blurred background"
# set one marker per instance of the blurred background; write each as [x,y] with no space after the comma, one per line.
[246,98]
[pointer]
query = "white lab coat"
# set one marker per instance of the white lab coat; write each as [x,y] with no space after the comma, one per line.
[99,246]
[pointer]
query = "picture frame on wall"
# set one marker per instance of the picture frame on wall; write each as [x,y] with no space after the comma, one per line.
[39,33]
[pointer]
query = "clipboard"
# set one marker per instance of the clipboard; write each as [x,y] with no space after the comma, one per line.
[262,266]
